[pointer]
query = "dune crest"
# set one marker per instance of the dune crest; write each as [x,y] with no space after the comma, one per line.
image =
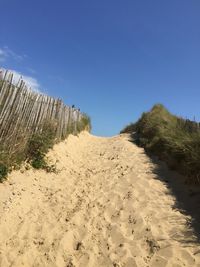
[104,208]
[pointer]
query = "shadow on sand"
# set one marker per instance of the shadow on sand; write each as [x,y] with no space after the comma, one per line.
[187,197]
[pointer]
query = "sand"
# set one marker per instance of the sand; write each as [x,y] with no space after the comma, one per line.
[104,207]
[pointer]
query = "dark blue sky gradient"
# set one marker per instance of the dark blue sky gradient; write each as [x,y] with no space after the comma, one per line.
[113,59]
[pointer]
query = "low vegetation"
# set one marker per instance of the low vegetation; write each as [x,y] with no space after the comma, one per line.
[3,171]
[39,144]
[35,149]
[173,139]
[84,124]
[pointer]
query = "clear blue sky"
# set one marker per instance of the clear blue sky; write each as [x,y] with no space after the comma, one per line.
[112,58]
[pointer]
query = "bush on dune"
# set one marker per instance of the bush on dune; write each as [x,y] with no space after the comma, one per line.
[174,140]
[84,124]
[39,144]
[35,149]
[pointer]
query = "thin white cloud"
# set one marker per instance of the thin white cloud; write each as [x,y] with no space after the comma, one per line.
[6,53]
[32,71]
[31,82]
[3,55]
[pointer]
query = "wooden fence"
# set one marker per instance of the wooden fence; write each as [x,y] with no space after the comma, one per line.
[24,112]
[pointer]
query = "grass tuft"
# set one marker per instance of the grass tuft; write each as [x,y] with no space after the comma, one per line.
[3,172]
[173,139]
[39,144]
[34,149]
[84,124]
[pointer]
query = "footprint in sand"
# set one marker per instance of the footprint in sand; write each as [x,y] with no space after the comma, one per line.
[105,208]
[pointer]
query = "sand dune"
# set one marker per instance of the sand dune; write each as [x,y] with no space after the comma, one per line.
[104,207]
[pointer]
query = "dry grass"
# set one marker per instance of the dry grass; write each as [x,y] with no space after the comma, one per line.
[172,139]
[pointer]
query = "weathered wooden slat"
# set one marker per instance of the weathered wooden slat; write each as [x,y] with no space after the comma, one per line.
[19,113]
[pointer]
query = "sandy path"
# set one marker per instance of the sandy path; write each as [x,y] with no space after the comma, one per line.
[105,207]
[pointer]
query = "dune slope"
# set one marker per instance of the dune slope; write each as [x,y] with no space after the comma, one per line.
[104,207]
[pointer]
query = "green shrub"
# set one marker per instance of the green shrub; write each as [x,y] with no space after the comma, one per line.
[128,129]
[3,172]
[39,144]
[38,163]
[172,139]
[84,124]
